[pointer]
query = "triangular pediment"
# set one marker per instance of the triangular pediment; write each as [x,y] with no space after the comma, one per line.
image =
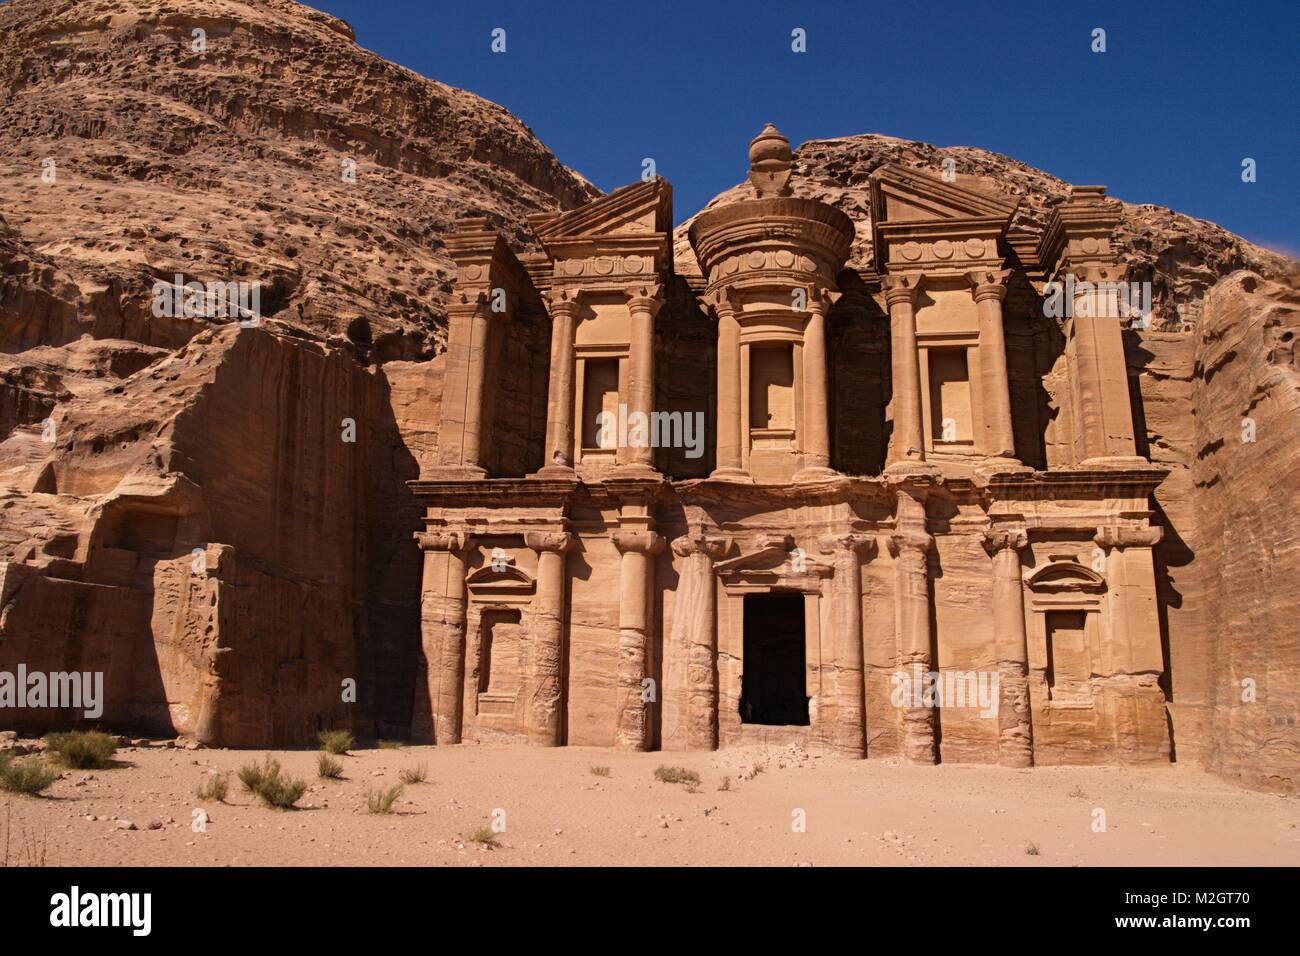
[639,210]
[904,195]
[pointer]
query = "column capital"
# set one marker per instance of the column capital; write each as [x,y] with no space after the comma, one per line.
[557,541]
[1000,539]
[1119,537]
[444,540]
[988,283]
[913,541]
[822,299]
[637,542]
[723,302]
[900,289]
[696,541]
[646,298]
[562,300]
[855,543]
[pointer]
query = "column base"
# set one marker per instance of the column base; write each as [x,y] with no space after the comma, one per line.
[635,470]
[455,473]
[732,474]
[555,471]
[815,473]
[909,467]
[1115,461]
[989,467]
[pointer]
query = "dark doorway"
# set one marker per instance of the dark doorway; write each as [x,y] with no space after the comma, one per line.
[773,688]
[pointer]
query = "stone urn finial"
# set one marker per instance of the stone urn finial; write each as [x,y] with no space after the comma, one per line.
[770,161]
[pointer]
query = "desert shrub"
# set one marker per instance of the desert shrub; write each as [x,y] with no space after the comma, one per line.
[327,768]
[600,771]
[389,744]
[417,774]
[82,749]
[485,836]
[676,775]
[214,787]
[28,776]
[381,801]
[267,784]
[336,741]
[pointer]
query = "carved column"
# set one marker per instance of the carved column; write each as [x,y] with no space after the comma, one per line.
[465,382]
[729,391]
[563,307]
[990,287]
[545,705]
[1015,731]
[442,633]
[634,623]
[816,440]
[908,443]
[849,735]
[1103,413]
[641,372]
[910,546]
[694,634]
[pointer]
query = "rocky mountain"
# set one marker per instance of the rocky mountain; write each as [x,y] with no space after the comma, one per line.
[189,505]
[1181,256]
[134,148]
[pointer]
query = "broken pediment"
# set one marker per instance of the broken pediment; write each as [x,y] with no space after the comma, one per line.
[635,219]
[905,195]
[921,222]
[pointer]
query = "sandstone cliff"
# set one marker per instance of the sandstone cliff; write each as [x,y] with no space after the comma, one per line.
[217,516]
[229,164]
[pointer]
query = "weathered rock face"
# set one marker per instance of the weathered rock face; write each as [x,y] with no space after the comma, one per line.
[181,506]
[231,164]
[218,518]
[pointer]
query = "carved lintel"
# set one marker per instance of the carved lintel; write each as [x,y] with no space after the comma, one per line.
[556,541]
[638,542]
[1124,536]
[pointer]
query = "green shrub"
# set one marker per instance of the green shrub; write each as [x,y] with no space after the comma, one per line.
[266,783]
[485,836]
[327,768]
[336,741]
[381,801]
[417,774]
[677,775]
[214,787]
[82,749]
[28,776]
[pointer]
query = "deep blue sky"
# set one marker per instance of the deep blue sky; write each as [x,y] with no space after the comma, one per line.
[1184,92]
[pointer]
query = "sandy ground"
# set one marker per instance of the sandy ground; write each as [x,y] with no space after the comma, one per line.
[556,811]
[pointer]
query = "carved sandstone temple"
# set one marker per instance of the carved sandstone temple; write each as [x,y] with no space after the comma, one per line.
[900,469]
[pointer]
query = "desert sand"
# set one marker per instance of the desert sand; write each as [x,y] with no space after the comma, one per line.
[557,811]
